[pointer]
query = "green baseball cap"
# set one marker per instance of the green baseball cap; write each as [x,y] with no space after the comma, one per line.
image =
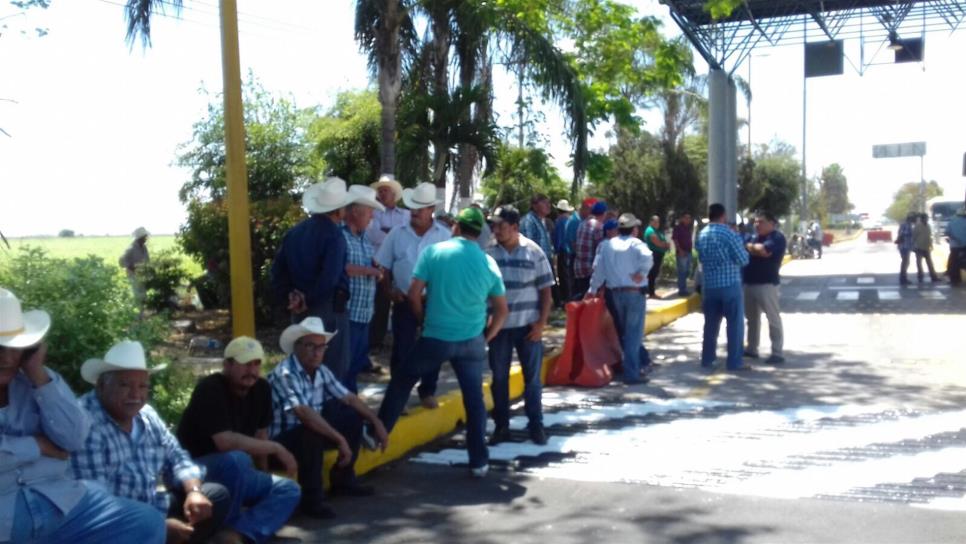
[472,218]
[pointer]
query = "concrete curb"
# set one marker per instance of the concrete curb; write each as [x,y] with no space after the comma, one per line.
[422,426]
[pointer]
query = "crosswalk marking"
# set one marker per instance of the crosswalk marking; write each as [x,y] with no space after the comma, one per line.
[865,280]
[888,295]
[932,295]
[819,451]
[847,295]
[808,295]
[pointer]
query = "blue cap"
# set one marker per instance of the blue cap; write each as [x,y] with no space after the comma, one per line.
[610,224]
[599,208]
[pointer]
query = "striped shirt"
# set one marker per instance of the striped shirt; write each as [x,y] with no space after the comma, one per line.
[722,256]
[292,386]
[129,464]
[362,289]
[525,271]
[535,229]
[589,234]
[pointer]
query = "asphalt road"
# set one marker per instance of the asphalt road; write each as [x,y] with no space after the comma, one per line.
[859,437]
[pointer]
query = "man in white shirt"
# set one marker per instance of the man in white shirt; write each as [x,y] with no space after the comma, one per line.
[622,264]
[388,193]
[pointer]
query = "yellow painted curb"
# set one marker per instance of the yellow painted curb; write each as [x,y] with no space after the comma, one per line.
[422,426]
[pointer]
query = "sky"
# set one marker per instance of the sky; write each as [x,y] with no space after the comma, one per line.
[94,126]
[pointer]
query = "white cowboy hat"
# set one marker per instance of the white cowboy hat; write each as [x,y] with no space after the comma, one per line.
[326,196]
[309,325]
[19,329]
[125,355]
[386,180]
[564,206]
[366,196]
[423,196]
[140,232]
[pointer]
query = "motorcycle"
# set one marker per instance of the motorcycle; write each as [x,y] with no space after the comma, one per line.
[799,248]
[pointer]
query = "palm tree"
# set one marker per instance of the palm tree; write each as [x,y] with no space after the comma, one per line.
[138,14]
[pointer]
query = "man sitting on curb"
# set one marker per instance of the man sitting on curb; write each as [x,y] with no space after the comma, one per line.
[40,424]
[459,279]
[312,410]
[527,274]
[130,448]
[226,424]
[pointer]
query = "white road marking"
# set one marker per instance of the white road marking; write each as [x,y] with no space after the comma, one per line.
[865,280]
[932,295]
[888,295]
[808,295]
[847,295]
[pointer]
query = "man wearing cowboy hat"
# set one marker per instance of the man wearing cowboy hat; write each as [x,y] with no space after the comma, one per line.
[224,426]
[129,448]
[459,280]
[309,269]
[134,257]
[388,192]
[312,411]
[562,250]
[363,275]
[40,424]
[397,256]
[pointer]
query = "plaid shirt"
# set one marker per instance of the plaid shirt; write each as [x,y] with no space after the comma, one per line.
[722,256]
[362,289]
[130,467]
[534,228]
[589,234]
[292,386]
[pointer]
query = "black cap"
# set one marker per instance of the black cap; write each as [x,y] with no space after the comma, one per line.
[506,214]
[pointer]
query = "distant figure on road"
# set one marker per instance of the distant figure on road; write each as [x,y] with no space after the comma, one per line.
[658,244]
[682,235]
[922,245]
[722,257]
[905,243]
[762,280]
[135,257]
[816,237]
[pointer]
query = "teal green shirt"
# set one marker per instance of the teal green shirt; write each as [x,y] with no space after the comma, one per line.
[660,236]
[459,279]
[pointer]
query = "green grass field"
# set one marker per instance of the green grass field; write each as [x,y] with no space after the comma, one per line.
[109,248]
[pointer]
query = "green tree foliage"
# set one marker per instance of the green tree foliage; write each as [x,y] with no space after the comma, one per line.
[519,174]
[280,163]
[835,189]
[90,304]
[347,137]
[771,181]
[162,276]
[906,199]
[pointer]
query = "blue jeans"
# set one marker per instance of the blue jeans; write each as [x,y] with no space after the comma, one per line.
[403,339]
[684,270]
[467,359]
[261,503]
[358,354]
[629,309]
[726,302]
[531,359]
[98,517]
[643,356]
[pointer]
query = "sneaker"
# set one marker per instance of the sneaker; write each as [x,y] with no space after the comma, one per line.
[368,441]
[538,435]
[751,354]
[500,434]
[480,472]
[429,402]
[775,360]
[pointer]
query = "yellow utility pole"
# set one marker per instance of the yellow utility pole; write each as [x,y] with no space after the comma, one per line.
[239,238]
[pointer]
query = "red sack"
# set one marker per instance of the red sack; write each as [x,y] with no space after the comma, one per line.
[591,346]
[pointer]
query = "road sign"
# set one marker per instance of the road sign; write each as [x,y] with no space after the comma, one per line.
[908,149]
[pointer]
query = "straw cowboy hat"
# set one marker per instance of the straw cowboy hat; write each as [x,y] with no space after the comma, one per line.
[326,196]
[125,355]
[564,206]
[366,196]
[140,232]
[423,196]
[386,180]
[20,329]
[309,325]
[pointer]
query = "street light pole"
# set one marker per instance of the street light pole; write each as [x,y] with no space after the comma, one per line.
[239,238]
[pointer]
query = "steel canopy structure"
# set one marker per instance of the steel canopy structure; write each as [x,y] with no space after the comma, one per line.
[725,43]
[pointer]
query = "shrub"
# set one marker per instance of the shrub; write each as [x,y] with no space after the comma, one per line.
[162,276]
[90,304]
[171,390]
